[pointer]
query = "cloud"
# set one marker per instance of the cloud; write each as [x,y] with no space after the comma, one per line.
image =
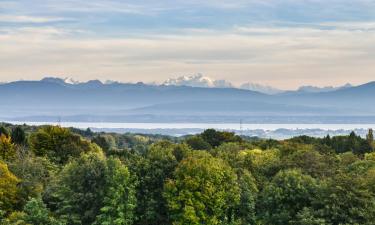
[30,19]
[277,55]
[283,43]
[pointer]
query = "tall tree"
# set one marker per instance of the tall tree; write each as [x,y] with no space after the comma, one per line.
[204,190]
[59,144]
[4,131]
[7,149]
[370,139]
[81,188]
[18,135]
[36,212]
[153,170]
[8,189]
[346,199]
[289,192]
[119,200]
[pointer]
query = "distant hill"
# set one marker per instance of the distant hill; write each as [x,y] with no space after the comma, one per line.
[57,97]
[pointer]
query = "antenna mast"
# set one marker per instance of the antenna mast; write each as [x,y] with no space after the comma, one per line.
[241,127]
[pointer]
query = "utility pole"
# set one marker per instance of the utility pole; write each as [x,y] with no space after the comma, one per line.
[241,127]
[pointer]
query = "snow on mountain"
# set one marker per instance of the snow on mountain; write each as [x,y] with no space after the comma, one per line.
[198,80]
[261,88]
[313,89]
[66,80]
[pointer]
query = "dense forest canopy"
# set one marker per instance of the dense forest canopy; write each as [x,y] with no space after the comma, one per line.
[54,175]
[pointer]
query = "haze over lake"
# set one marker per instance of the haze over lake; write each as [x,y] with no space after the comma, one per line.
[277,131]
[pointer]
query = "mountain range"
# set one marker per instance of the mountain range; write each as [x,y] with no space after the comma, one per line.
[198,80]
[175,100]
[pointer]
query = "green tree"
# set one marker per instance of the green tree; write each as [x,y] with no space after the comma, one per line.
[198,143]
[370,139]
[120,201]
[307,216]
[263,164]
[59,144]
[204,191]
[346,199]
[105,141]
[95,190]
[231,153]
[81,189]
[289,192]
[18,135]
[158,165]
[216,138]
[34,173]
[36,212]
[310,161]
[245,211]
[4,131]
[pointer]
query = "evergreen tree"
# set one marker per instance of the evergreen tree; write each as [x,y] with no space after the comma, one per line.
[18,135]
[36,212]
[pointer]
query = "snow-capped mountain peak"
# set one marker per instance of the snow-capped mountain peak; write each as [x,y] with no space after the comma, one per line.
[260,88]
[198,80]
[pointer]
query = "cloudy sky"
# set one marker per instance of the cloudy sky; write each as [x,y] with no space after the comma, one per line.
[284,43]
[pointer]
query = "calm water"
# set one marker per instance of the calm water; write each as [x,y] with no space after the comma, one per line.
[221,126]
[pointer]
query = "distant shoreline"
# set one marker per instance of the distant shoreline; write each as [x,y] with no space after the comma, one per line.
[276,131]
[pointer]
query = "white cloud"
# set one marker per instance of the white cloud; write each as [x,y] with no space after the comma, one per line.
[30,19]
[280,56]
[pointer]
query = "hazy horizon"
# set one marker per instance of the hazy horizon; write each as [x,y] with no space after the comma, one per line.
[284,44]
[72,80]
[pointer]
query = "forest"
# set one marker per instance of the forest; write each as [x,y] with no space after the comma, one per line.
[50,175]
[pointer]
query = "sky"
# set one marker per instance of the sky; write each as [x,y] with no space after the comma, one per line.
[283,43]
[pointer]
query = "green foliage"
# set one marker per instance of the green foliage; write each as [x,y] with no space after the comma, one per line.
[310,161]
[370,139]
[307,217]
[155,179]
[153,170]
[204,190]
[245,211]
[106,142]
[216,138]
[81,189]
[263,165]
[95,190]
[286,196]
[18,135]
[4,131]
[36,212]
[34,172]
[120,200]
[346,200]
[59,144]
[198,143]
[230,152]
[352,143]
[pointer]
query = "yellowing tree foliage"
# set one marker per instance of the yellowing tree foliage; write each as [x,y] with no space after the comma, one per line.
[8,188]
[7,150]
